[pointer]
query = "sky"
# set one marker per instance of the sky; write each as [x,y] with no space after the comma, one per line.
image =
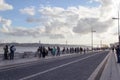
[58,21]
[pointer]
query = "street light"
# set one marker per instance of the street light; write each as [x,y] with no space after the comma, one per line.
[118,28]
[92,31]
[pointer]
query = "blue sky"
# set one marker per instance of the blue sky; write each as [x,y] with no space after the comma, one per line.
[20,19]
[55,21]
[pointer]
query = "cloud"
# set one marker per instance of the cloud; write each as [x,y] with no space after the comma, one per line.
[6,23]
[77,19]
[28,10]
[57,22]
[31,19]
[7,29]
[4,6]
[33,32]
[21,31]
[84,25]
[101,22]
[43,31]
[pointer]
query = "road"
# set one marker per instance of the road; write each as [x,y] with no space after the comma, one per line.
[74,67]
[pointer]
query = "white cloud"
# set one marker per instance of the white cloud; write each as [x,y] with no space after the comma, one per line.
[57,22]
[28,10]
[4,6]
[84,25]
[31,19]
[76,19]
[6,23]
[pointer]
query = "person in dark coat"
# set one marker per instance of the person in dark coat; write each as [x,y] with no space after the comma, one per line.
[5,52]
[58,51]
[118,53]
[39,51]
[44,52]
[12,51]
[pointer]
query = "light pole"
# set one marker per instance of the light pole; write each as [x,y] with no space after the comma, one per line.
[92,31]
[118,28]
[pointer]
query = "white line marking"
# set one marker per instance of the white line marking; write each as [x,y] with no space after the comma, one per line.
[54,68]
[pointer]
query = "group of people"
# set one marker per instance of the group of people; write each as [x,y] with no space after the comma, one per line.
[42,51]
[57,51]
[9,52]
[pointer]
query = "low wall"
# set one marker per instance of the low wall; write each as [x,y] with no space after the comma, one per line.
[34,54]
[20,55]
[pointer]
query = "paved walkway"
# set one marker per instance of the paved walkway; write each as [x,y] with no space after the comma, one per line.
[112,69]
[110,72]
[9,63]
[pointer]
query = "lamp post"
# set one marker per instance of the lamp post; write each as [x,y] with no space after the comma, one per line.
[92,31]
[118,28]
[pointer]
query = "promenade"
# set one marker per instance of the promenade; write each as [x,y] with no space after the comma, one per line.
[21,61]
[104,67]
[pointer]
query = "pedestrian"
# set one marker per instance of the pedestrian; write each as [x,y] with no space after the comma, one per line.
[44,52]
[81,50]
[58,51]
[54,51]
[5,52]
[118,53]
[67,50]
[39,51]
[63,51]
[12,51]
[84,50]
[49,51]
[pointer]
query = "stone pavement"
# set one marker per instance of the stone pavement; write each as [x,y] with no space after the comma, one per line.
[112,69]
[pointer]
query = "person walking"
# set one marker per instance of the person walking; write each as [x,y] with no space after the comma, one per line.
[12,51]
[58,51]
[39,51]
[54,51]
[118,53]
[5,52]
[44,52]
